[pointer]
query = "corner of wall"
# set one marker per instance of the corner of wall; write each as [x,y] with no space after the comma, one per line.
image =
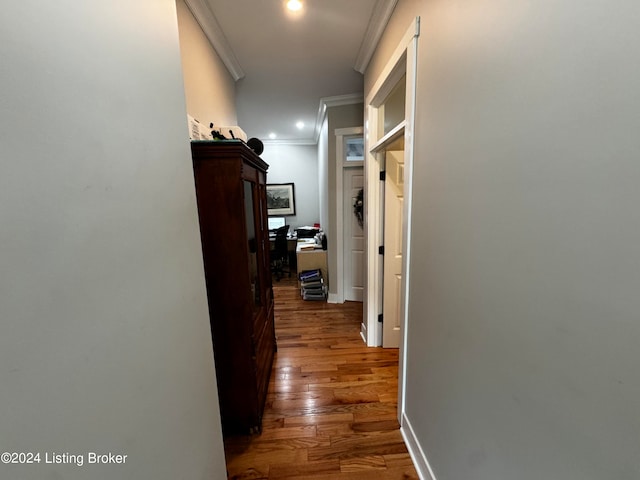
[418,456]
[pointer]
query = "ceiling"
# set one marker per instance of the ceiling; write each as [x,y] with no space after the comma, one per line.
[287,66]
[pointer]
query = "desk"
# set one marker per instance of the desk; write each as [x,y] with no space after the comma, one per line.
[312,259]
[291,243]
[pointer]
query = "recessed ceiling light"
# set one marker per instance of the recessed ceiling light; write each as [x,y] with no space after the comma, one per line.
[294,5]
[300,125]
[272,135]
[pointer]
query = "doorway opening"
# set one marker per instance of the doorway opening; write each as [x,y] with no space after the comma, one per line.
[350,252]
[388,171]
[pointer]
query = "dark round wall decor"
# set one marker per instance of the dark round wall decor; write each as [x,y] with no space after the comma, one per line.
[256,145]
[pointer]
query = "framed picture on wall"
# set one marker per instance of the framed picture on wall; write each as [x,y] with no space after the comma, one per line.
[281,199]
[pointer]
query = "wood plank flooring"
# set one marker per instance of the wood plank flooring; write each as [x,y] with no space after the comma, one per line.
[331,408]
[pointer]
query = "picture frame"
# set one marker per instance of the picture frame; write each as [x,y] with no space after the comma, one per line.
[281,199]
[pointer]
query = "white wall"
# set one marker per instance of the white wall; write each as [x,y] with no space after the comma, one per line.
[209,88]
[323,173]
[523,330]
[105,342]
[296,164]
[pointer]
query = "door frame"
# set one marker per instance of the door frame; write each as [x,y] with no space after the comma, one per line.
[341,136]
[403,61]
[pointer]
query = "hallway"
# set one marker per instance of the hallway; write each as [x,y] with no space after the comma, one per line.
[331,407]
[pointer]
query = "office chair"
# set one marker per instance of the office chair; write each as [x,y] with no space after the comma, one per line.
[280,254]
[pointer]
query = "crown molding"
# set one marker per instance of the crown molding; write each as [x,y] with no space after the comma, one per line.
[299,142]
[379,18]
[213,31]
[337,101]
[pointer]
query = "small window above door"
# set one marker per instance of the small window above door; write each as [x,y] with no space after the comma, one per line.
[354,149]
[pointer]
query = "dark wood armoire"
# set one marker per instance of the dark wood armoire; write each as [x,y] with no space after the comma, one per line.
[230,184]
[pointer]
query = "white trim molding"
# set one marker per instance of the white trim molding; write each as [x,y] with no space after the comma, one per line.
[333,298]
[213,31]
[297,141]
[420,462]
[379,18]
[337,101]
[340,134]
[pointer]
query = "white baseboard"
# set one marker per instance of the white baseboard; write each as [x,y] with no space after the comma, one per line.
[415,450]
[333,298]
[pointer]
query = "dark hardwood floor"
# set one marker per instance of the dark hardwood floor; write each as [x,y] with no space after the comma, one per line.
[331,408]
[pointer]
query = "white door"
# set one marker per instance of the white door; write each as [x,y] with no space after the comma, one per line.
[393,205]
[353,236]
